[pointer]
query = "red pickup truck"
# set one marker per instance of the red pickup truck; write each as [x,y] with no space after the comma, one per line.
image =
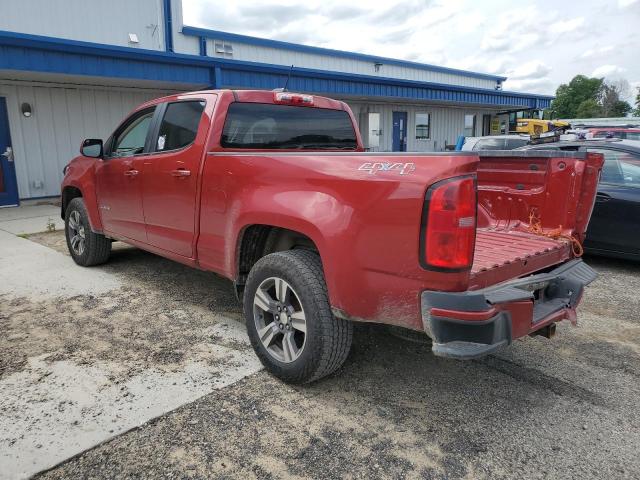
[274,191]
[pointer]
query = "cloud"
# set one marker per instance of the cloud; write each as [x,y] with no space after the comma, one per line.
[508,29]
[497,65]
[398,12]
[607,71]
[398,36]
[530,70]
[538,45]
[534,85]
[566,26]
[596,52]
[345,11]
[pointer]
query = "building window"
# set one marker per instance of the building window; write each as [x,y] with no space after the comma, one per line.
[469,125]
[373,137]
[423,126]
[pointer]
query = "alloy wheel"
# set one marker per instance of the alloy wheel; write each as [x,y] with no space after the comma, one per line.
[280,319]
[76,233]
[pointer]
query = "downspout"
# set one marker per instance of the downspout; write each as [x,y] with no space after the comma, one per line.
[168,26]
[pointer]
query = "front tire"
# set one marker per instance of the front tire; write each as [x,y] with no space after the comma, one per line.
[86,247]
[289,319]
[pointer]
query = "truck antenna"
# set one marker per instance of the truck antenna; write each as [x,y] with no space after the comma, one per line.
[288,77]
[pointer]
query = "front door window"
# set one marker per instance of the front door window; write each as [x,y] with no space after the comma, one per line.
[132,139]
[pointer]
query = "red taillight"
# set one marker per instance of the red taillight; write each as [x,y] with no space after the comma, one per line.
[293,98]
[449,225]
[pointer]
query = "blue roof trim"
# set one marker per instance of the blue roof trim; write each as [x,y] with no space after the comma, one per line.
[43,54]
[75,46]
[46,54]
[326,83]
[328,74]
[264,42]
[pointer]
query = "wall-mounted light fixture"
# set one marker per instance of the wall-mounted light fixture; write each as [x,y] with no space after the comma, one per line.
[133,38]
[25,108]
[376,66]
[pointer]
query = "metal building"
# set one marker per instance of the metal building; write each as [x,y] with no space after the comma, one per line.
[75,72]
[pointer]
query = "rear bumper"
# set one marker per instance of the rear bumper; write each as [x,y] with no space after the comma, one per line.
[467,325]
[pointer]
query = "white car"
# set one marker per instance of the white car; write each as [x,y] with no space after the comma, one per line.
[495,142]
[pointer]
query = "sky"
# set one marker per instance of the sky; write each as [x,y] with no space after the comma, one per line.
[536,44]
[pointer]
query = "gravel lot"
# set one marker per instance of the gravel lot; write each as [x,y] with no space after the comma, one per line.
[561,408]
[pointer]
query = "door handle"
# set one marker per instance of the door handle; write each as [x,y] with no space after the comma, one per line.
[9,154]
[180,172]
[131,173]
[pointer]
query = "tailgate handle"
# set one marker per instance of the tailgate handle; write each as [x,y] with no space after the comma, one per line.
[181,172]
[602,197]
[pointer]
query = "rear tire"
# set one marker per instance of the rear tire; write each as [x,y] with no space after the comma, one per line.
[289,322]
[86,247]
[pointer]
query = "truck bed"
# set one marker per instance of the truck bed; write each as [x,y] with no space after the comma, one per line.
[518,188]
[503,255]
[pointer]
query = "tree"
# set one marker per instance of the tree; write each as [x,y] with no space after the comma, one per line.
[610,99]
[585,97]
[636,112]
[569,97]
[588,109]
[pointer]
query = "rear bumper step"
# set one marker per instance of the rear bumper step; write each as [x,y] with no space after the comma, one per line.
[467,325]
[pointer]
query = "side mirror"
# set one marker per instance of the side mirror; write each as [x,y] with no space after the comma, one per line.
[91,147]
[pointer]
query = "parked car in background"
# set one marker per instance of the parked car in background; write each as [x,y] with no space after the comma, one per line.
[615,132]
[614,229]
[495,142]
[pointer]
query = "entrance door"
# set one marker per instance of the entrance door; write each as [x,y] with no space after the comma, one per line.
[486,125]
[399,131]
[8,185]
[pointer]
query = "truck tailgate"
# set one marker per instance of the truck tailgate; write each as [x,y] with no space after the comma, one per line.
[530,205]
[504,255]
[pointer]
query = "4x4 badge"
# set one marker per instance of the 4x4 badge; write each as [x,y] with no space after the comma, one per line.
[375,167]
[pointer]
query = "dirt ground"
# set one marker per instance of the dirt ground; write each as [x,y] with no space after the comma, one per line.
[561,408]
[152,320]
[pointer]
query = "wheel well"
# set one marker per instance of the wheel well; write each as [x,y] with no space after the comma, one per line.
[261,240]
[68,194]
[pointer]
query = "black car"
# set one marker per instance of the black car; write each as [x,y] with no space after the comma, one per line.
[614,229]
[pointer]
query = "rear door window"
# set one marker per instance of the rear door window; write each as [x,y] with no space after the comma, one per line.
[267,126]
[179,125]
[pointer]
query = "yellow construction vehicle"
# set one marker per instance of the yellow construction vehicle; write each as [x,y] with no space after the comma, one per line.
[534,126]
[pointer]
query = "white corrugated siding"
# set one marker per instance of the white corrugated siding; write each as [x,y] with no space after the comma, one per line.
[62,117]
[88,20]
[254,53]
[447,124]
